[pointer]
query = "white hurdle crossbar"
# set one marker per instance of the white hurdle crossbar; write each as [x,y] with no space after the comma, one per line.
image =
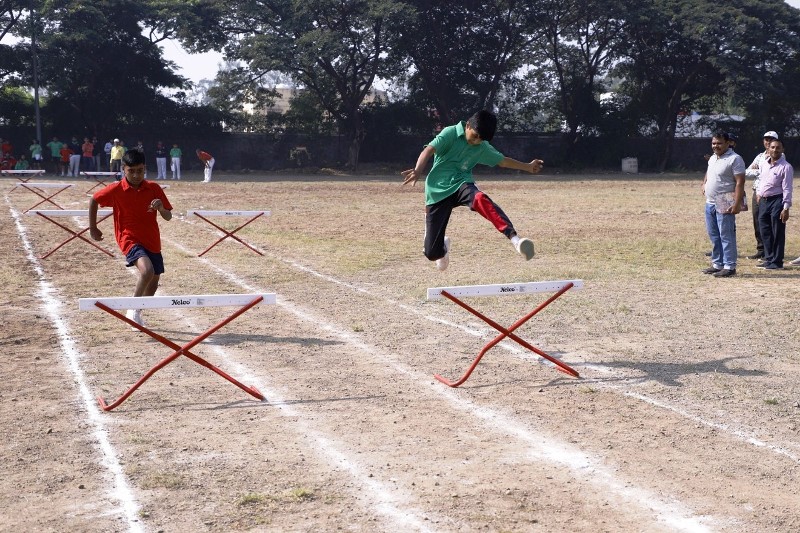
[501,289]
[113,305]
[454,294]
[204,213]
[161,302]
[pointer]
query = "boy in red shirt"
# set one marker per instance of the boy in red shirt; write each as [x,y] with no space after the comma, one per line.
[135,202]
[66,153]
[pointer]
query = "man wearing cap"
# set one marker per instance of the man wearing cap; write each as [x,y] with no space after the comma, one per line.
[117,151]
[775,184]
[752,172]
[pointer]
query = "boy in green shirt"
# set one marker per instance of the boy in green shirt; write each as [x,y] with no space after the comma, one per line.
[449,184]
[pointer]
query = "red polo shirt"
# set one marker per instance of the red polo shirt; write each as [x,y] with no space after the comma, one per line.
[133,222]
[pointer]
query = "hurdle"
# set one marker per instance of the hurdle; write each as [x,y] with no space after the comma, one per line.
[36,187]
[48,215]
[113,305]
[99,178]
[504,289]
[24,176]
[202,214]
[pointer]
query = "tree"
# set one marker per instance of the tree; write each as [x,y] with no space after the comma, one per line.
[458,56]
[580,44]
[330,48]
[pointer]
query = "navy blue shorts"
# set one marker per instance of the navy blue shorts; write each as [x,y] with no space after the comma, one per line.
[139,251]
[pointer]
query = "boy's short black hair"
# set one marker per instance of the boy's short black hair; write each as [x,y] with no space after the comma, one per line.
[485,123]
[721,135]
[133,157]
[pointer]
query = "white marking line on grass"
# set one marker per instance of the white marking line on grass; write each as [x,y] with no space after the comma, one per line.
[740,434]
[120,491]
[671,514]
[386,500]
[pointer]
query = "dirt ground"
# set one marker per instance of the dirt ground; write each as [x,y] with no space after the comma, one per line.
[686,416]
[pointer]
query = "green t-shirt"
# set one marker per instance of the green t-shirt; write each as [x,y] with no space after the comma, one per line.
[36,149]
[453,162]
[22,164]
[55,148]
[175,152]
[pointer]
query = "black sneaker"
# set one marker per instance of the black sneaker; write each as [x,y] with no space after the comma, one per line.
[711,270]
[757,255]
[725,273]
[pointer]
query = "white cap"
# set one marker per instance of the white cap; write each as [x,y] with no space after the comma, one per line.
[116,140]
[772,134]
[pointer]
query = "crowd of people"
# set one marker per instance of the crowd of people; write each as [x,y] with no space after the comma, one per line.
[69,159]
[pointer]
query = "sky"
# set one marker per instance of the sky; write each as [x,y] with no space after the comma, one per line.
[198,67]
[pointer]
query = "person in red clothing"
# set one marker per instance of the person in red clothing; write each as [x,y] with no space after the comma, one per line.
[208,164]
[135,201]
[66,152]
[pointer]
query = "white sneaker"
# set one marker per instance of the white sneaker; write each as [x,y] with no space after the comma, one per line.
[444,262]
[795,262]
[525,248]
[136,316]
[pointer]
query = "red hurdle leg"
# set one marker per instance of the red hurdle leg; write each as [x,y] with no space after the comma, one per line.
[228,234]
[179,350]
[46,198]
[78,235]
[508,333]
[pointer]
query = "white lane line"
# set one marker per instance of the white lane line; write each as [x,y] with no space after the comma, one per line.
[670,513]
[119,491]
[384,499]
[745,435]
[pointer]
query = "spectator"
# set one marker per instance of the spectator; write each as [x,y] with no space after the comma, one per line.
[775,198]
[36,154]
[6,147]
[723,187]
[96,151]
[87,151]
[55,154]
[161,161]
[75,158]
[117,151]
[753,173]
[22,164]
[107,150]
[66,154]
[208,164]
[175,165]
[7,162]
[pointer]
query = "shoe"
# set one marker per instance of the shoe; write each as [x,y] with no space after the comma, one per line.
[136,316]
[757,255]
[772,266]
[525,248]
[795,262]
[708,254]
[711,270]
[444,262]
[725,273]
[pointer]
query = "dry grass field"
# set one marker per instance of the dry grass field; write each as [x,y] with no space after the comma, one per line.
[686,416]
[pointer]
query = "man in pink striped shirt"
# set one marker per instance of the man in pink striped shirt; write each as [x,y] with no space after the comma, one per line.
[775,198]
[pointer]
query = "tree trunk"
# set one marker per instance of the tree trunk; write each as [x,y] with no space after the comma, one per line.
[355,143]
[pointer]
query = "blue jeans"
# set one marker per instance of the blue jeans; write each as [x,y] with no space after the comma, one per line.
[722,232]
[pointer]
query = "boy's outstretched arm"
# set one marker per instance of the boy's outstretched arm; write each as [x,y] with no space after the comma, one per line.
[412,175]
[533,167]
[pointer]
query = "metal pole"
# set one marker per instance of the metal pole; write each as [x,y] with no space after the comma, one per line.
[35,75]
